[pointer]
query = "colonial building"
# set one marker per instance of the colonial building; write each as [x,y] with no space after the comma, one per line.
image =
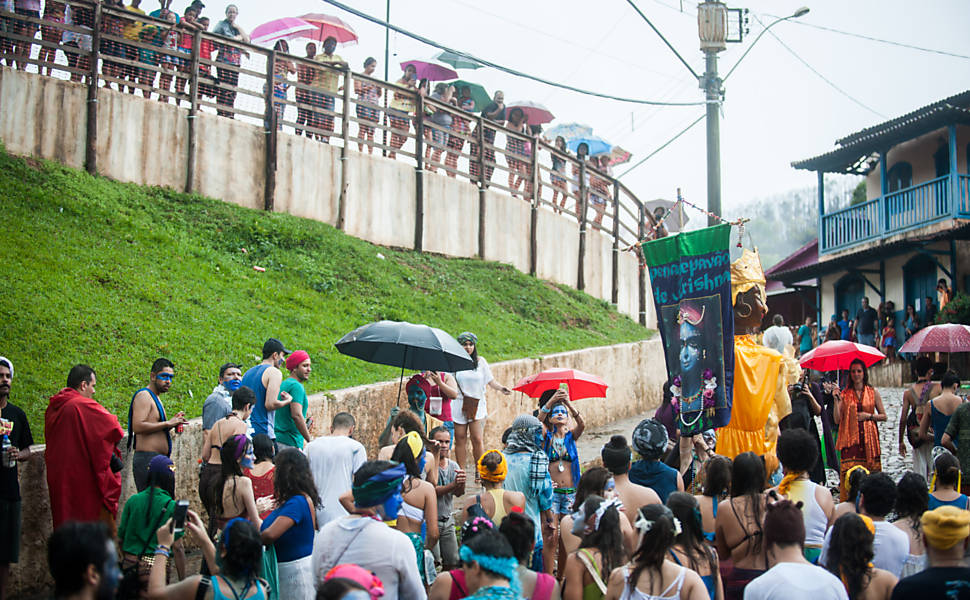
[914,227]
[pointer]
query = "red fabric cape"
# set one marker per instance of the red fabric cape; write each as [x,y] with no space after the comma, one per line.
[81,438]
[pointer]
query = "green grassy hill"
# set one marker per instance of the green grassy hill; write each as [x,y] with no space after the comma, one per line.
[116,275]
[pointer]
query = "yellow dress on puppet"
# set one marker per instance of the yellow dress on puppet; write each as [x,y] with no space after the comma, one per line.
[761,375]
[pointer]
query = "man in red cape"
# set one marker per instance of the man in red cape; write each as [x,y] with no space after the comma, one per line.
[82,457]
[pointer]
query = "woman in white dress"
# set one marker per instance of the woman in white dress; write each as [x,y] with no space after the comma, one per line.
[469,410]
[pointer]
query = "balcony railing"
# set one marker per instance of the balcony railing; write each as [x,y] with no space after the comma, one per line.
[910,208]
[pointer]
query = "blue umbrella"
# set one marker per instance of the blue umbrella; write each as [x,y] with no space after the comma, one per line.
[597,145]
[567,131]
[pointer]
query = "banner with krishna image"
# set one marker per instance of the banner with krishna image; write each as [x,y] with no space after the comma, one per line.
[691,279]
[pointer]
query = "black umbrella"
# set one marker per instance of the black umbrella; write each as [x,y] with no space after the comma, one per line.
[406,345]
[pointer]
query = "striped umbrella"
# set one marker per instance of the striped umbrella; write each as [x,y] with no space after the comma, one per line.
[328,25]
[285,28]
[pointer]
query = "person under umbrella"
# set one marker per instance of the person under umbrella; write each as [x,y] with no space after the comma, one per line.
[857,410]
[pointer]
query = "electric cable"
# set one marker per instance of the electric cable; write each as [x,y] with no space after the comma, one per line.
[669,45]
[498,67]
[665,144]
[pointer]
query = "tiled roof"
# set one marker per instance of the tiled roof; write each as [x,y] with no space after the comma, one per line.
[855,148]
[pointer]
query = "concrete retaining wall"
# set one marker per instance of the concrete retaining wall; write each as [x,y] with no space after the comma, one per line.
[146,142]
[634,371]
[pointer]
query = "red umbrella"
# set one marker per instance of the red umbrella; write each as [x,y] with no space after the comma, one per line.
[949,337]
[581,384]
[838,354]
[328,25]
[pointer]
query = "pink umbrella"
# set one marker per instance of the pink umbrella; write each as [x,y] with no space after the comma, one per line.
[838,354]
[430,71]
[949,337]
[286,28]
[327,25]
[534,112]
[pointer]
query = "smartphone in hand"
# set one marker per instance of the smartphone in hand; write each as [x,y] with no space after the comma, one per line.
[178,519]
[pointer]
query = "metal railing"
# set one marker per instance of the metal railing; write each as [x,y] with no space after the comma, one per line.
[102,46]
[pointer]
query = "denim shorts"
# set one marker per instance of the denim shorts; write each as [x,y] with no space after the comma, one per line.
[563,500]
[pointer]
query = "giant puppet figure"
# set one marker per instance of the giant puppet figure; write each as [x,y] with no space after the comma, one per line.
[761,375]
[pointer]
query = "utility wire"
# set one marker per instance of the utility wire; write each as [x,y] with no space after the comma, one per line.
[814,70]
[880,40]
[498,67]
[669,45]
[665,144]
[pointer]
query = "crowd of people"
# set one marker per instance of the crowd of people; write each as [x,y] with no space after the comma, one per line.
[294,515]
[156,59]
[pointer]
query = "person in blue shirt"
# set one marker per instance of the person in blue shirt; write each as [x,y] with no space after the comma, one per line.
[846,326]
[290,528]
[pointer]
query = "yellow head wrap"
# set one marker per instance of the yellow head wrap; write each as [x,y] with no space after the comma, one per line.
[500,471]
[848,474]
[946,526]
[869,524]
[415,443]
[746,273]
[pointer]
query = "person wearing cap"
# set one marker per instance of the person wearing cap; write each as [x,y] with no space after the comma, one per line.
[468,409]
[149,430]
[82,458]
[291,425]
[528,472]
[363,539]
[16,430]
[264,380]
[218,405]
[144,513]
[650,442]
[791,577]
[946,530]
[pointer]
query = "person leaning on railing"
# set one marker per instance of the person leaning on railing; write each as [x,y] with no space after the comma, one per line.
[445,93]
[329,81]
[229,55]
[402,105]
[370,94]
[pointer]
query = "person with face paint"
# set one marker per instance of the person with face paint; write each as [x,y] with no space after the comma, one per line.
[419,512]
[238,567]
[233,424]
[597,522]
[83,562]
[232,493]
[291,527]
[218,404]
[559,444]
[328,80]
[363,539]
[149,430]
[141,516]
[264,380]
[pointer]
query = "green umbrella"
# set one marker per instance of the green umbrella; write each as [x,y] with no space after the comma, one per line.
[457,61]
[478,93]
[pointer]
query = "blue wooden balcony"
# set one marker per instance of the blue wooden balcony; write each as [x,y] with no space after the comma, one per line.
[897,212]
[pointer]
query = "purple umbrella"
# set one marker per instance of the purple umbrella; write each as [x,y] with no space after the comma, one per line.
[430,71]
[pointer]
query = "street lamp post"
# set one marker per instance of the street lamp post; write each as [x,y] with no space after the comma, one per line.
[712,29]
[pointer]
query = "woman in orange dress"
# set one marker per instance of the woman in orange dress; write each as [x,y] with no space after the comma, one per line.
[857,410]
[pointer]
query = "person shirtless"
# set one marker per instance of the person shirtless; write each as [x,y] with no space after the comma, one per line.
[617,458]
[149,431]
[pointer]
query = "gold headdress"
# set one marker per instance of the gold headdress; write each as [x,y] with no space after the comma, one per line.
[746,273]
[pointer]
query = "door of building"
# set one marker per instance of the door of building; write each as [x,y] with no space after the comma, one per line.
[919,281]
[848,294]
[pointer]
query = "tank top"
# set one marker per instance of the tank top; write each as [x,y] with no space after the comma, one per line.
[939,422]
[708,580]
[815,520]
[709,535]
[262,486]
[498,496]
[632,593]
[261,419]
[218,594]
[960,502]
[591,591]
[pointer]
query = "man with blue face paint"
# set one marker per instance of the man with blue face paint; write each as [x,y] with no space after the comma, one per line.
[363,539]
[219,403]
[149,429]
[83,561]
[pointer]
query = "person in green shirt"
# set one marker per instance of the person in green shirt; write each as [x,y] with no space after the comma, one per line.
[290,425]
[144,513]
[805,339]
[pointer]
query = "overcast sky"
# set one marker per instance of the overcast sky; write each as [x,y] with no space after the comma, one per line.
[776,110]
